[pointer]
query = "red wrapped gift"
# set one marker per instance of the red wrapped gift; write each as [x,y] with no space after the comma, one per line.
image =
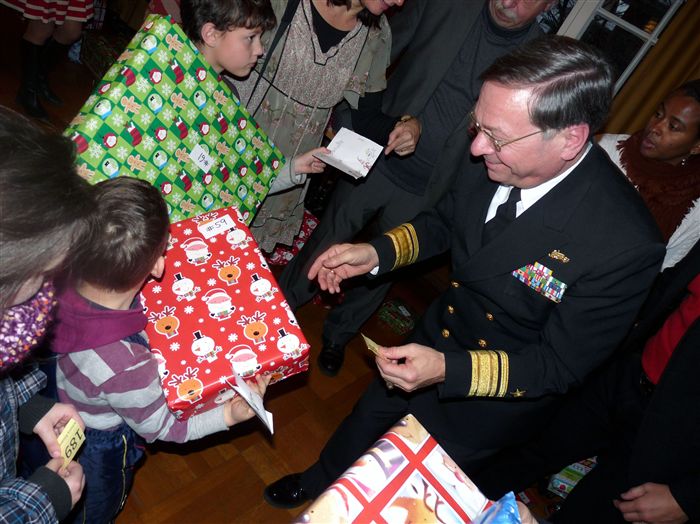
[283,254]
[217,312]
[405,477]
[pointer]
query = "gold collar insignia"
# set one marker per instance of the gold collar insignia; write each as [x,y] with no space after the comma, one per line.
[558,255]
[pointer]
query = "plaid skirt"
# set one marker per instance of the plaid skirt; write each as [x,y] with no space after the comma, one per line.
[57,11]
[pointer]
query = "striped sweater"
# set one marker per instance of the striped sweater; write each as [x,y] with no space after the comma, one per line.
[107,371]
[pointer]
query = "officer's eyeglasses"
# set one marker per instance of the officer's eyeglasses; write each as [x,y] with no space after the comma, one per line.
[498,144]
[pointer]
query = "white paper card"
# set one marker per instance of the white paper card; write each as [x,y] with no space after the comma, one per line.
[255,401]
[214,227]
[201,158]
[351,153]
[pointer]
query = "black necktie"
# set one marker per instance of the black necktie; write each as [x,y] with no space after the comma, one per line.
[505,214]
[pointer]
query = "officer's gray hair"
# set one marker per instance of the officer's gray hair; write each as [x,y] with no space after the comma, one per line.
[573,81]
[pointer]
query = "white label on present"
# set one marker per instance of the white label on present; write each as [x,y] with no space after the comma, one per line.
[255,401]
[216,226]
[200,157]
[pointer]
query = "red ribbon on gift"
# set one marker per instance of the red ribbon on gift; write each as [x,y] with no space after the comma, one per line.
[414,462]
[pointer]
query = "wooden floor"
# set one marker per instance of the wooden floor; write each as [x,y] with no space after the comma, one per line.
[221,478]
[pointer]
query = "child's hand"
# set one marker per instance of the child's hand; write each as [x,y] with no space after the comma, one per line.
[237,409]
[52,423]
[73,476]
[308,163]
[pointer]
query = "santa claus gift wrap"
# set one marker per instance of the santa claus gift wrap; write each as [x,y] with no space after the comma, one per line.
[217,312]
[405,477]
[162,114]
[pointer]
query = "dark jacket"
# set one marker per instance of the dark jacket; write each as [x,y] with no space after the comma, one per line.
[501,338]
[427,35]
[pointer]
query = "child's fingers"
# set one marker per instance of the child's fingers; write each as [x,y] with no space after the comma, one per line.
[261,383]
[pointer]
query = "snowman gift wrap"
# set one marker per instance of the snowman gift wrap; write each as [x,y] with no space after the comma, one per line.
[217,313]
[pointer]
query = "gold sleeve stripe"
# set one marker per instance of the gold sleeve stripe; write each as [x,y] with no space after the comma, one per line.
[490,373]
[405,243]
[504,375]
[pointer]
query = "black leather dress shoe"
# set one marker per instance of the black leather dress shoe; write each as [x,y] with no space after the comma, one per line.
[330,360]
[286,493]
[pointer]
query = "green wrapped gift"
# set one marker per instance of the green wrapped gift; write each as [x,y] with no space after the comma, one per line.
[162,114]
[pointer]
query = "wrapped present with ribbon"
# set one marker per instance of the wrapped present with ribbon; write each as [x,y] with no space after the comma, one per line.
[405,477]
[162,114]
[217,312]
[565,481]
[282,255]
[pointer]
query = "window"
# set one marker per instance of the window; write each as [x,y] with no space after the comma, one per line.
[625,29]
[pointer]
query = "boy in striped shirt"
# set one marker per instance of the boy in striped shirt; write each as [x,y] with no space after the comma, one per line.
[105,367]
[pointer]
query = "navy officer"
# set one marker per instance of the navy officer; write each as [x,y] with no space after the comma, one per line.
[553,252]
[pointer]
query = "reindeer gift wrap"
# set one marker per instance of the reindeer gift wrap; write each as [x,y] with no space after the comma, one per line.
[217,312]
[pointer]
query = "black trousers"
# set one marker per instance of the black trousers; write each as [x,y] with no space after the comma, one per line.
[600,419]
[470,430]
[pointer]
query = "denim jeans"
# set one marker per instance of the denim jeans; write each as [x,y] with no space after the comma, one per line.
[109,459]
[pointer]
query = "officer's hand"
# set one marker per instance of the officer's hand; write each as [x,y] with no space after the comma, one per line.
[411,367]
[340,262]
[650,503]
[72,475]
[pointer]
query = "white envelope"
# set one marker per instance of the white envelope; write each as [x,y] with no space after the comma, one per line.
[351,153]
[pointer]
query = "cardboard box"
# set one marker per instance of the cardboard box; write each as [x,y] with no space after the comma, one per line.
[162,114]
[405,477]
[217,312]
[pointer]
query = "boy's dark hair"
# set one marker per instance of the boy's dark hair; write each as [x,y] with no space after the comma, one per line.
[225,15]
[363,16]
[44,204]
[129,231]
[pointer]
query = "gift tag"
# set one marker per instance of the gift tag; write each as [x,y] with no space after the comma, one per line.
[70,440]
[211,228]
[371,345]
[255,401]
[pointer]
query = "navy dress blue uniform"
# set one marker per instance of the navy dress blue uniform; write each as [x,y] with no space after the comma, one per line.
[640,433]
[511,347]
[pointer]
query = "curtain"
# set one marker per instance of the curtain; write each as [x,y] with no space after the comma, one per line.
[675,59]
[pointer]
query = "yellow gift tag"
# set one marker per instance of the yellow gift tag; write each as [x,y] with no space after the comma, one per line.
[372,345]
[70,440]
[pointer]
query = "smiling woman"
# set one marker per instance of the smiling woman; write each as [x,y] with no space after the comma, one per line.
[663,163]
